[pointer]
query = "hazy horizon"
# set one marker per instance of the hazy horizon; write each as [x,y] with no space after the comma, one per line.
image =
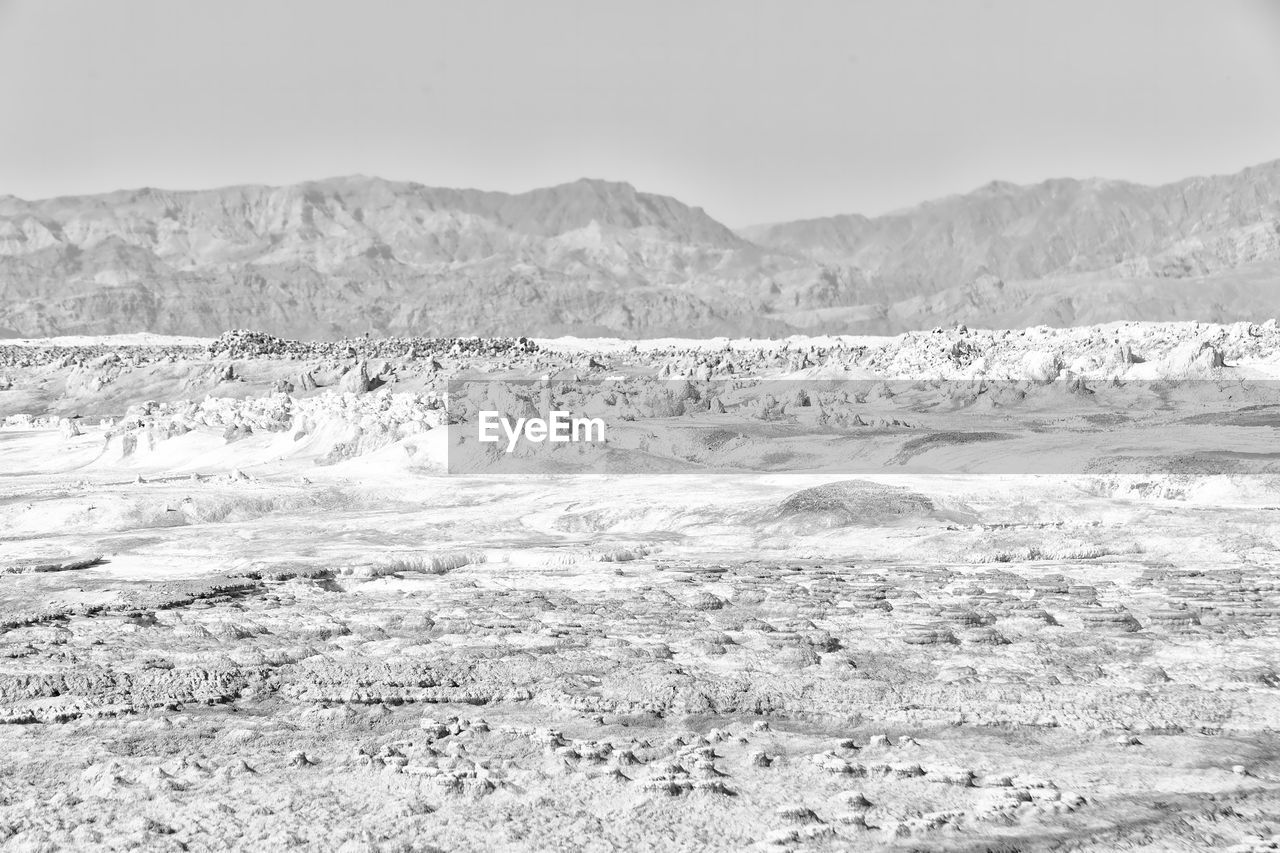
[749,110]
[690,202]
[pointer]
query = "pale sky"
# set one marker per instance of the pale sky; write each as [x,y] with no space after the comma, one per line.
[756,110]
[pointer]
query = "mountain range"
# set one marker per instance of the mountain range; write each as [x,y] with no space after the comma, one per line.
[345,256]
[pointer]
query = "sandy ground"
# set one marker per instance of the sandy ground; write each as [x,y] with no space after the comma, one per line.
[216,640]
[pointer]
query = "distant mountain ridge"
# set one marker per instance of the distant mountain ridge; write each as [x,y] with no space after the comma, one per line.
[1057,227]
[344,256]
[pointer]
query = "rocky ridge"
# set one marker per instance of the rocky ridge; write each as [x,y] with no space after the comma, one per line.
[346,256]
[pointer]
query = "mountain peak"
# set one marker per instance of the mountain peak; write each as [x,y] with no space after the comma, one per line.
[603,184]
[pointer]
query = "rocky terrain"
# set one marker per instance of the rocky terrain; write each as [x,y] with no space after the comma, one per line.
[348,256]
[247,600]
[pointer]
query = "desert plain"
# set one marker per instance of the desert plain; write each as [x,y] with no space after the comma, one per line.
[251,596]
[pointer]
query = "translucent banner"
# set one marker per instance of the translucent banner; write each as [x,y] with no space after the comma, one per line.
[652,425]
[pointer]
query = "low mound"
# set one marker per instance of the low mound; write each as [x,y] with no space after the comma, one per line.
[855,502]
